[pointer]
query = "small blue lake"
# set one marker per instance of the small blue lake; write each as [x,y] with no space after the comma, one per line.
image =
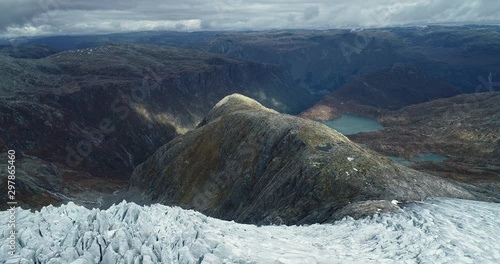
[423,157]
[349,124]
[352,124]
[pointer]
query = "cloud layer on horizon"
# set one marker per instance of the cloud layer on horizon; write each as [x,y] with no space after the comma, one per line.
[58,17]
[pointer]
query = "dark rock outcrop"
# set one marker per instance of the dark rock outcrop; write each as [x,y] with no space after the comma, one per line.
[251,164]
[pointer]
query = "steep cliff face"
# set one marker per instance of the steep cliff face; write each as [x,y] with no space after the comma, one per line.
[388,89]
[103,111]
[251,164]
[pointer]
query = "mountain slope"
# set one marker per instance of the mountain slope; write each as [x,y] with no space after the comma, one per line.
[387,89]
[103,111]
[251,164]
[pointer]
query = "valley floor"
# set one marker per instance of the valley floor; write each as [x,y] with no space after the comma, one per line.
[433,231]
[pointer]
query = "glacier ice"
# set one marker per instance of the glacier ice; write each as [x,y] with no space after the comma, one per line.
[433,231]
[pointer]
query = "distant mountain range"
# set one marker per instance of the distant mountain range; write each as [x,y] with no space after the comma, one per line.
[387,89]
[324,60]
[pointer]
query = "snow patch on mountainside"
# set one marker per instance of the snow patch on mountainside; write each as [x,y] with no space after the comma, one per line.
[433,231]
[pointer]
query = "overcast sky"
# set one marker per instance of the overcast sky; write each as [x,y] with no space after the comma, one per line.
[57,17]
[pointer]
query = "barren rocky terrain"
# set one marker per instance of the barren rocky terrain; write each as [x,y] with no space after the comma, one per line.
[86,111]
[97,113]
[465,129]
[278,169]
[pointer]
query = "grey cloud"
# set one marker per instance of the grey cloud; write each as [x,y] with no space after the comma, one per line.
[206,24]
[179,26]
[45,17]
[18,12]
[446,11]
[311,12]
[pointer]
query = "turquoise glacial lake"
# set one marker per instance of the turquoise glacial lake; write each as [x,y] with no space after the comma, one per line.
[352,124]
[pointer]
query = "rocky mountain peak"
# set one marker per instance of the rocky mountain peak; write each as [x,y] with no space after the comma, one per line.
[234,103]
[253,165]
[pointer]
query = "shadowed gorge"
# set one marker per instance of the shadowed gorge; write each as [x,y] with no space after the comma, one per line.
[388,89]
[100,112]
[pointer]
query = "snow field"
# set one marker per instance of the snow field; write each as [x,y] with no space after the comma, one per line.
[434,231]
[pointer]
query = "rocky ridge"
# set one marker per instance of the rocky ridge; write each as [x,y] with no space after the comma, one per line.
[251,164]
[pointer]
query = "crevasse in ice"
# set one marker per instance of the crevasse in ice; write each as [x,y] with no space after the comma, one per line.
[434,231]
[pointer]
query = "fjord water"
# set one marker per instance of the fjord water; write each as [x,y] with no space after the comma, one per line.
[349,124]
[433,231]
